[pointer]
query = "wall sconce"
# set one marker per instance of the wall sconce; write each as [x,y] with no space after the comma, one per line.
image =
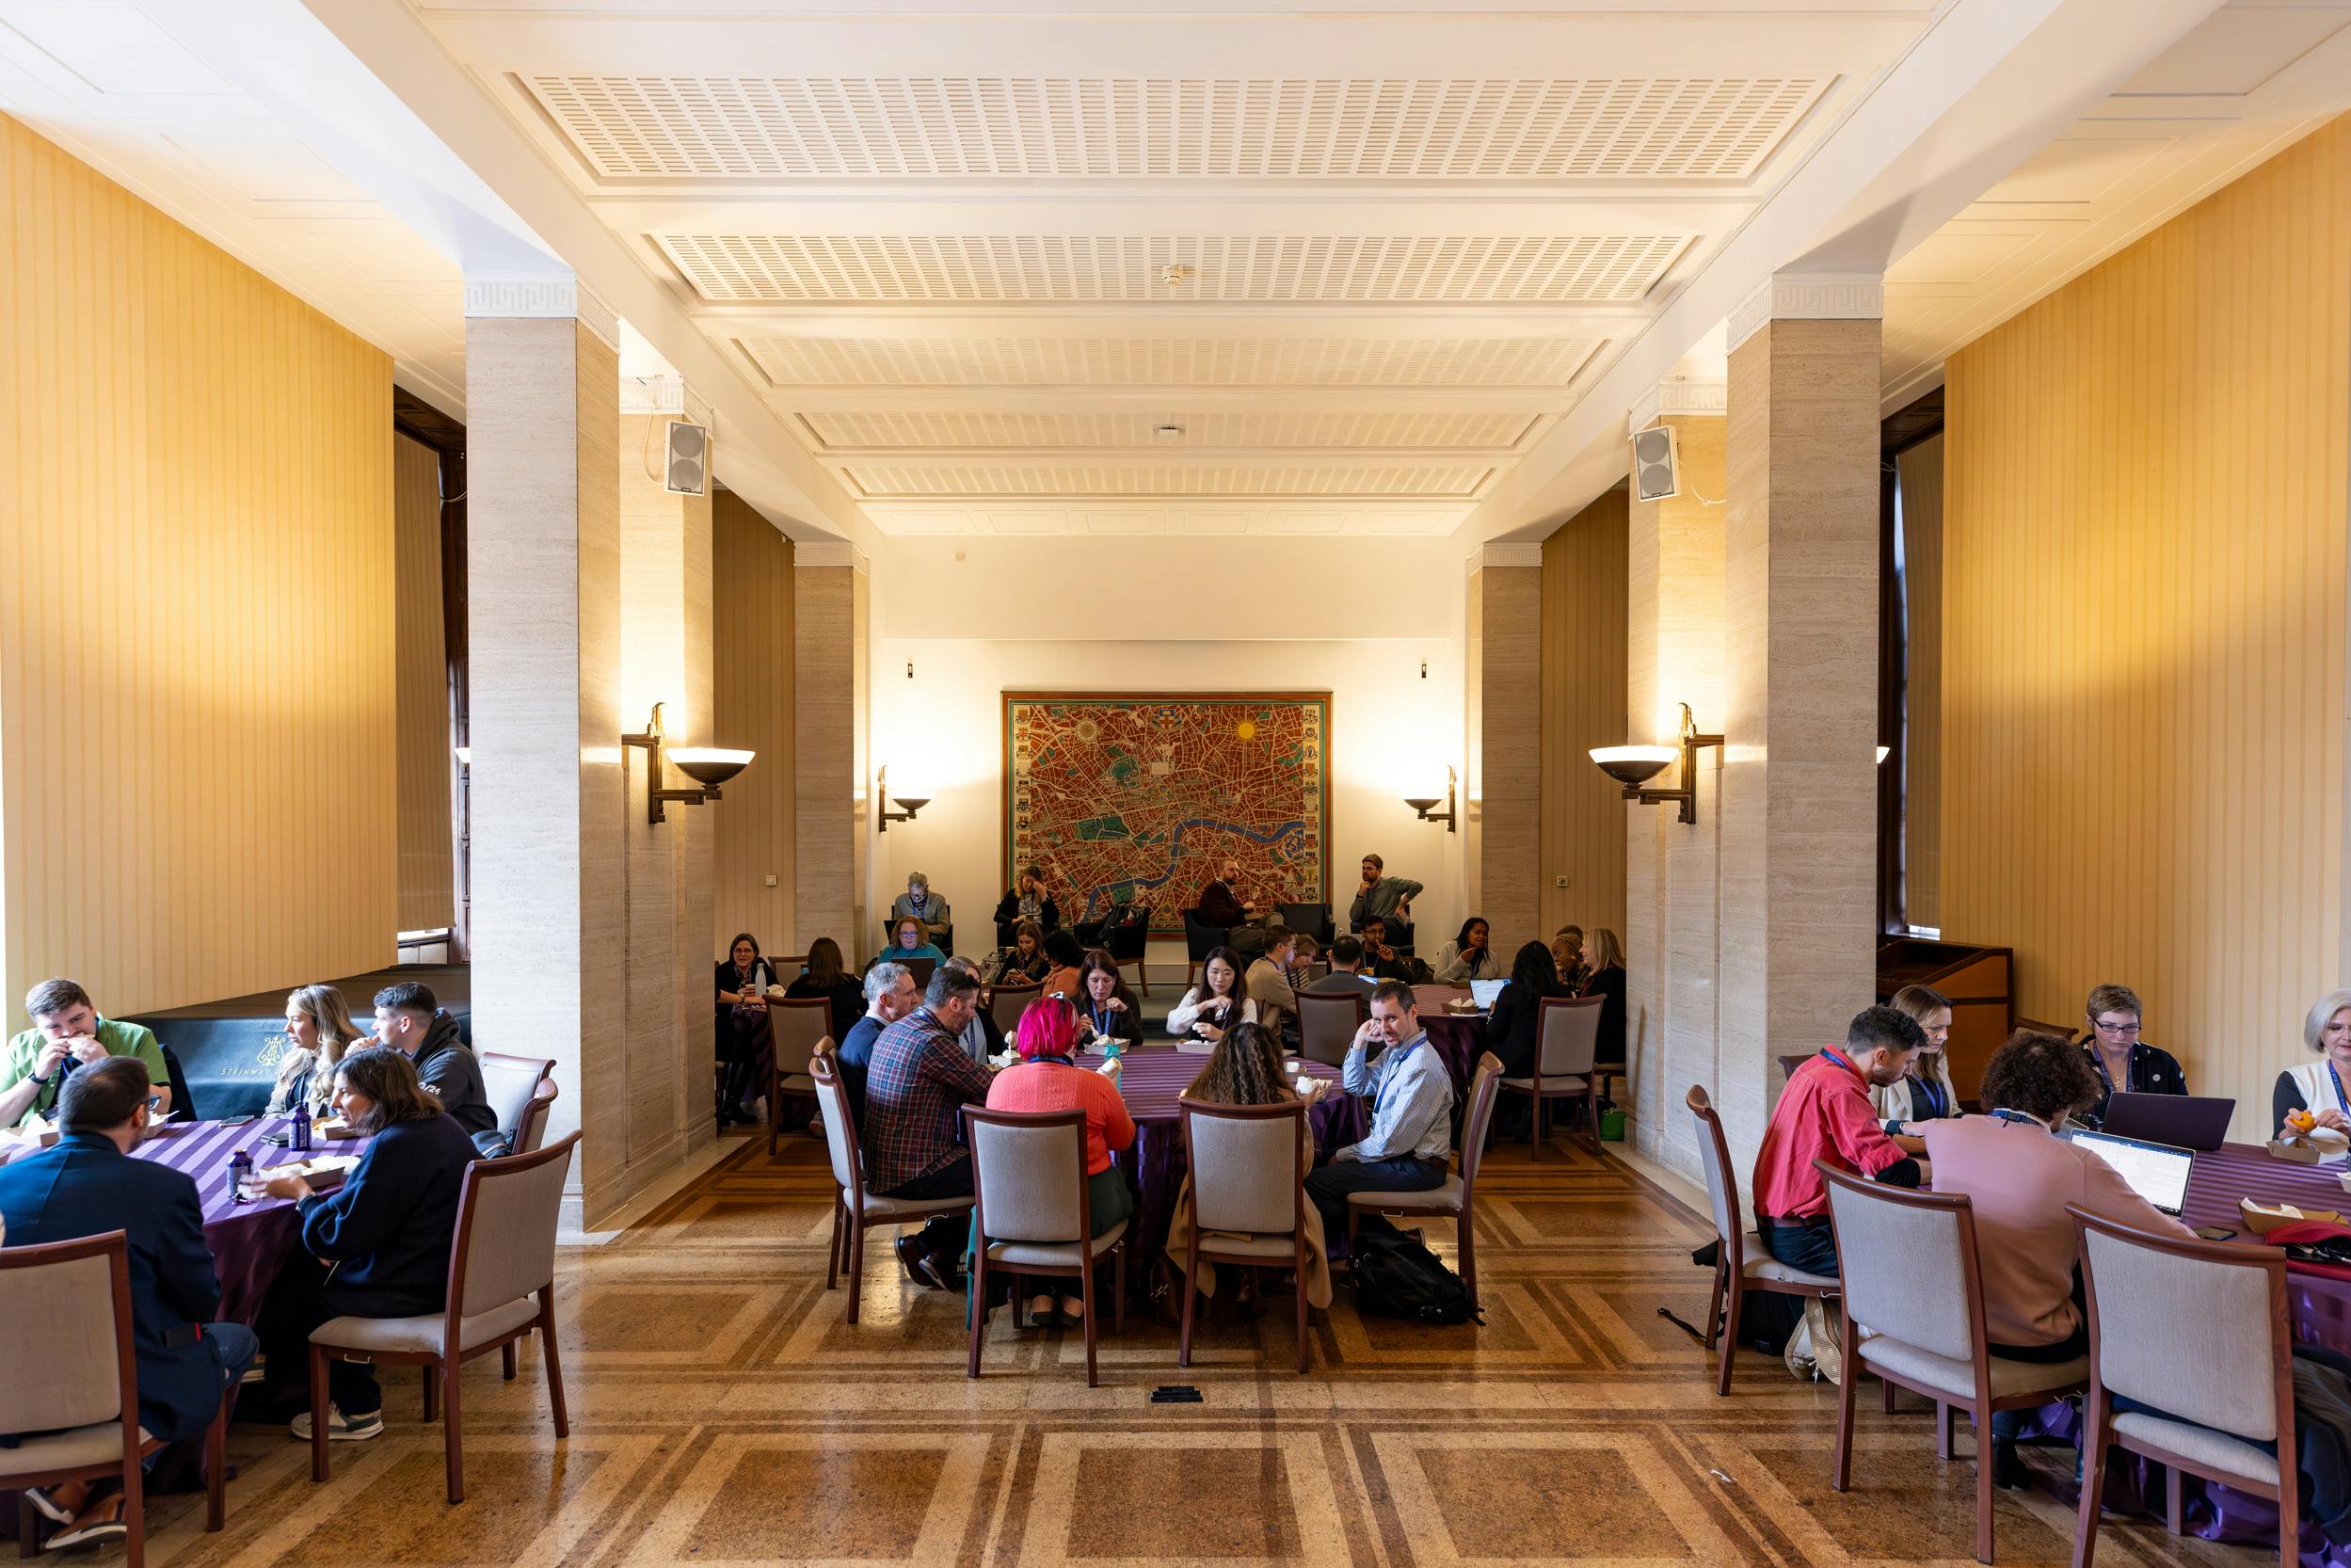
[908,805]
[1426,805]
[1634,766]
[708,766]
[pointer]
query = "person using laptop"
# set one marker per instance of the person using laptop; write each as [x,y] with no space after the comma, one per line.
[2120,1058]
[1926,1092]
[2318,1086]
[2020,1175]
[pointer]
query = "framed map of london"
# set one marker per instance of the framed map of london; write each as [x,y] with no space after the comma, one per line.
[1142,796]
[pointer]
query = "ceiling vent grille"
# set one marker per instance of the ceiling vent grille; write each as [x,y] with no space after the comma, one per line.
[917,433]
[1544,363]
[933,268]
[819,128]
[911,482]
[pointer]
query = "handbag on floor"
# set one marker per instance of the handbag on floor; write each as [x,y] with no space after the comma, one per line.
[1395,1276]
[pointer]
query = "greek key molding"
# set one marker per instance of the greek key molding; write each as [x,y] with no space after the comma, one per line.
[1506,555]
[543,297]
[1810,296]
[1703,398]
[663,395]
[831,553]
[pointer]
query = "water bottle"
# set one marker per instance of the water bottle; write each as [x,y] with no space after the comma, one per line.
[301,1141]
[241,1176]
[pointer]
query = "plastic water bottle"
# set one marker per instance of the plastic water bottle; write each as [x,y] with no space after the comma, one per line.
[241,1176]
[300,1139]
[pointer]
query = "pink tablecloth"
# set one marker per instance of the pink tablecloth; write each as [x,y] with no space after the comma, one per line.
[249,1241]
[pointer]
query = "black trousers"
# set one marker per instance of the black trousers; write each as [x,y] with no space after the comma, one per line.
[298,1302]
[945,1236]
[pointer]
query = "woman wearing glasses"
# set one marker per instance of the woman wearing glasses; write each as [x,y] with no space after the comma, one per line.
[2120,1059]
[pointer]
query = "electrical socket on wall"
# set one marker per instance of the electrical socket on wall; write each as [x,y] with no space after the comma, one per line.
[1555,881]
[770,879]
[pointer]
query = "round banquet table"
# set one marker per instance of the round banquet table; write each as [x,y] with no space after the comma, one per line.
[249,1241]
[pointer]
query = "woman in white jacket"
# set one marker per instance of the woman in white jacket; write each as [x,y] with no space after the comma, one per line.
[1217,1002]
[2319,1085]
[1926,1092]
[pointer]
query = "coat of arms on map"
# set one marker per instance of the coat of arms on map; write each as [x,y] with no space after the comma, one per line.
[1140,797]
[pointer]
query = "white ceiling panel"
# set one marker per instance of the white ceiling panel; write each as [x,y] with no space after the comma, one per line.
[1433,363]
[907,482]
[1177,431]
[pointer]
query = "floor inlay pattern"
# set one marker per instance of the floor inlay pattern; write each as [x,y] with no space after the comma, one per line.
[724,1411]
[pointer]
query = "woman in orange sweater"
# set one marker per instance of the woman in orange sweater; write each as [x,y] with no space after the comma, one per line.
[1047,1079]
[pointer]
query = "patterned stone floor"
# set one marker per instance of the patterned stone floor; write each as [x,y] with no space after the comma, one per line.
[723,1411]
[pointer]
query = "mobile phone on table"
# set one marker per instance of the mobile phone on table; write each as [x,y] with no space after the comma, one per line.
[275,1140]
[2216,1233]
[234,1121]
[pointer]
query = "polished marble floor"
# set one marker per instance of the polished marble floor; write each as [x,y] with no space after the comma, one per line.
[723,1411]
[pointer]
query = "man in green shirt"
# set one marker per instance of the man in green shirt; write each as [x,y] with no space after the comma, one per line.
[66,1033]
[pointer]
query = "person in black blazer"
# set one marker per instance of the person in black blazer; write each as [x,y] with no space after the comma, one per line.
[386,1231]
[87,1184]
[1606,957]
[829,978]
[1515,1028]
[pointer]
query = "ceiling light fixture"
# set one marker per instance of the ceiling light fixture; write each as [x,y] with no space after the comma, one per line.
[1175,274]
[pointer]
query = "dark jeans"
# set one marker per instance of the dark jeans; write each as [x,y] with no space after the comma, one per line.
[297,1303]
[1327,1187]
[943,1236]
[1810,1248]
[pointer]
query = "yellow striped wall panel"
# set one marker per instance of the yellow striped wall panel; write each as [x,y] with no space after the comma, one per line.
[2142,739]
[197,712]
[427,858]
[1583,706]
[1921,470]
[751,612]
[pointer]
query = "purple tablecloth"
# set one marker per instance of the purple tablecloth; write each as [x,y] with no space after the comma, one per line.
[249,1241]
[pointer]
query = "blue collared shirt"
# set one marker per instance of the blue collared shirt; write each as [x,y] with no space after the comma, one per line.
[1412,1100]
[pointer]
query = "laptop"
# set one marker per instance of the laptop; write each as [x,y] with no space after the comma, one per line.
[2190,1121]
[1486,992]
[2156,1171]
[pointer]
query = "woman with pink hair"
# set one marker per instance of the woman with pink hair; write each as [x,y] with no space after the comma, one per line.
[1047,1079]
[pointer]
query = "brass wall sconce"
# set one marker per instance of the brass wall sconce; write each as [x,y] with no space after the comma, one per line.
[1426,805]
[708,766]
[908,805]
[1634,766]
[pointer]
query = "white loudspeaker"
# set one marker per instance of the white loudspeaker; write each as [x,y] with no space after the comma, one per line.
[689,471]
[1655,475]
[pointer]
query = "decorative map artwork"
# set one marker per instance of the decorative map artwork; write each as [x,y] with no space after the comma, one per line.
[1142,797]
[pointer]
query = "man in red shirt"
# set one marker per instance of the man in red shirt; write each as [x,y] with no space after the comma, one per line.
[1824,1113]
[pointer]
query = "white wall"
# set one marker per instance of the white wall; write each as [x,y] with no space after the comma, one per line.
[1355,618]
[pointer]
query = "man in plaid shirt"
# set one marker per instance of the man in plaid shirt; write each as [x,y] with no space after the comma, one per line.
[917,1083]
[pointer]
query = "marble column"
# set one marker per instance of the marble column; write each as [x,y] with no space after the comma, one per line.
[665,635]
[1502,804]
[1674,565]
[549,838]
[830,769]
[1799,794]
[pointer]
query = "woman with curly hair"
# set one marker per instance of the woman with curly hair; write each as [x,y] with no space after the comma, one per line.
[2020,1175]
[1245,1069]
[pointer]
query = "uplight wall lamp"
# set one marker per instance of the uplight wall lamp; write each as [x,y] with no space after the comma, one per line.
[908,805]
[1634,766]
[708,766]
[1426,805]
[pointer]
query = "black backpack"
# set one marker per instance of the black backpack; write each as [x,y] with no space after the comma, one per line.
[1398,1277]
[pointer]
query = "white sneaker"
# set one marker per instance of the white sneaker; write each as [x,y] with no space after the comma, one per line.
[339,1429]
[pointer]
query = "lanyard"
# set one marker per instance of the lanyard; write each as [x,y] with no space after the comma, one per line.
[2018,1118]
[1101,1020]
[1833,1055]
[2336,1079]
[1932,1092]
[2129,1071]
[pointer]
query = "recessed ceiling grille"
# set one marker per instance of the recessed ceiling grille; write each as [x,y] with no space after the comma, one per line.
[1545,362]
[930,432]
[905,482]
[842,269]
[733,127]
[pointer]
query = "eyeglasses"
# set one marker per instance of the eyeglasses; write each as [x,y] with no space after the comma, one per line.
[2105,1028]
[154,1102]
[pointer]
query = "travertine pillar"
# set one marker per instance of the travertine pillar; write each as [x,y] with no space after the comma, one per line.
[665,658]
[1800,825]
[1673,655]
[1502,806]
[549,838]
[829,766]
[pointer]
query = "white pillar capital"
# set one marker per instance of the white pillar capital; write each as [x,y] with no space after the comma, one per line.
[542,295]
[1504,555]
[1810,296]
[663,395]
[835,554]
[1683,396]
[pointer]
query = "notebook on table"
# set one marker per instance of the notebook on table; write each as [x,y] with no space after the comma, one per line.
[2156,1171]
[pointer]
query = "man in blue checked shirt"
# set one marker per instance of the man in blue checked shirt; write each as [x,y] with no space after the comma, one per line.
[1412,1112]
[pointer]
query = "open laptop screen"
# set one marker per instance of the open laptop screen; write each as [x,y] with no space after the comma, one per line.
[1484,992]
[2156,1171]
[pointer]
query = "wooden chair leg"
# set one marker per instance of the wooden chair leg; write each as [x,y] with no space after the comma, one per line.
[216,1466]
[2290,1517]
[1715,1322]
[1118,1283]
[1093,1319]
[1983,1483]
[453,1425]
[432,1399]
[1191,1292]
[854,1260]
[1737,1288]
[28,1523]
[319,1413]
[1300,1293]
[775,1112]
[134,1516]
[506,1361]
[546,1354]
[2175,1504]
[1942,1431]
[2095,1419]
[832,1245]
[1885,1395]
[978,1308]
[1464,1247]
[1841,1473]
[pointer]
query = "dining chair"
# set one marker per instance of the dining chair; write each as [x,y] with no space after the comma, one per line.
[1327,1022]
[1912,1297]
[799,1028]
[73,1385]
[1009,1001]
[501,1289]
[2221,1380]
[1741,1264]
[1127,944]
[854,1208]
[1199,941]
[520,1089]
[1565,1046]
[1248,1165]
[1032,1213]
[1457,1195]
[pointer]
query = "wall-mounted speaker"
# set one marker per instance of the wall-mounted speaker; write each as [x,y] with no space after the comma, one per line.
[1656,476]
[689,471]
